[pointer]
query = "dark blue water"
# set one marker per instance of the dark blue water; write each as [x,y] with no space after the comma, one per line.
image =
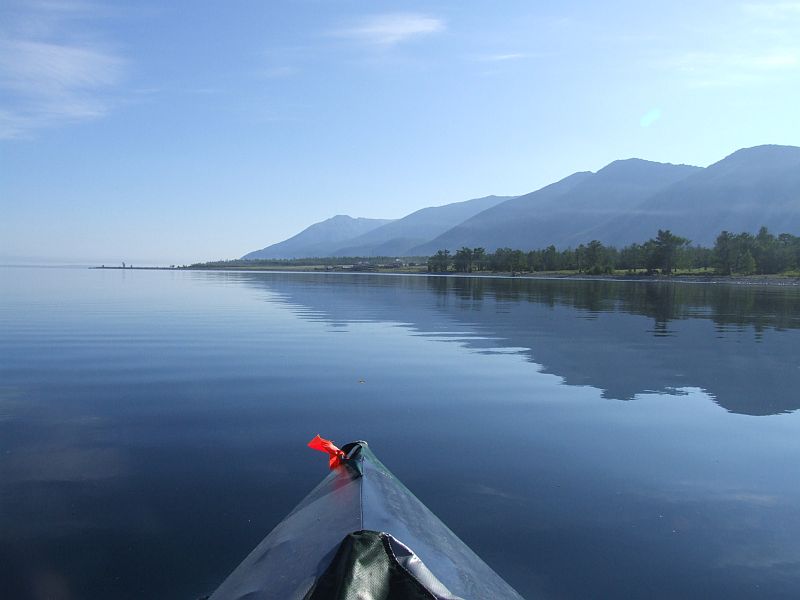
[587,439]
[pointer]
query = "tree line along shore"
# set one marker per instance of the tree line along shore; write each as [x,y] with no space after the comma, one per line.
[666,254]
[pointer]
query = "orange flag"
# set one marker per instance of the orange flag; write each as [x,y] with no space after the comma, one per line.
[327,446]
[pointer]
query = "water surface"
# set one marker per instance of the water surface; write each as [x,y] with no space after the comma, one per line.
[587,439]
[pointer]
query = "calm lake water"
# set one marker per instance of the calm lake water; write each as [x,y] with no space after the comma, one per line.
[587,439]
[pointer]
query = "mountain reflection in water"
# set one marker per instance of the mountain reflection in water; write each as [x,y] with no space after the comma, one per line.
[153,425]
[738,343]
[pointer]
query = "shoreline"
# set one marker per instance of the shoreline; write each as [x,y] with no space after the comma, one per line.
[758,280]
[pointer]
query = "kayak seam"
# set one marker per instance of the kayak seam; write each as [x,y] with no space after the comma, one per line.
[361,494]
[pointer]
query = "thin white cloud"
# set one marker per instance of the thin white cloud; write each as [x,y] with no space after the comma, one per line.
[393,28]
[782,59]
[714,69]
[504,57]
[60,5]
[779,60]
[38,67]
[777,11]
[49,80]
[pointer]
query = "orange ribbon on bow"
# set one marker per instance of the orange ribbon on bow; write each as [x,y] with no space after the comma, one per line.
[336,456]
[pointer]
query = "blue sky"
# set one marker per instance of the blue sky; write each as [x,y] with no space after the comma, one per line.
[162,133]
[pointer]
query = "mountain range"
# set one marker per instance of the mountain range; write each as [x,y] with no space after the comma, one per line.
[320,239]
[345,236]
[626,201]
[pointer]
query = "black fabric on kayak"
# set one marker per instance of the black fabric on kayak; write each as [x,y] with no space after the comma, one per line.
[360,507]
[366,568]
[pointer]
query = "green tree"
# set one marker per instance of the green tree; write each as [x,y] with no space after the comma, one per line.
[551,259]
[697,257]
[724,253]
[766,252]
[631,257]
[568,259]
[580,258]
[519,261]
[788,252]
[439,262]
[535,262]
[665,248]
[479,258]
[746,263]
[597,258]
[502,259]
[462,261]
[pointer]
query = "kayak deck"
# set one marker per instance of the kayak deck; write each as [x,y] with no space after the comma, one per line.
[362,534]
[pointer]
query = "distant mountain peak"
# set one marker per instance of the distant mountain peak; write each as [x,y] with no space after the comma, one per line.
[399,237]
[622,163]
[639,167]
[760,157]
[320,238]
[348,218]
[764,149]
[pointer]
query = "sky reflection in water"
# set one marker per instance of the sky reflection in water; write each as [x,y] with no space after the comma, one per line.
[585,438]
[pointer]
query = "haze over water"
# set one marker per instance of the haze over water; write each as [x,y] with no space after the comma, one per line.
[586,439]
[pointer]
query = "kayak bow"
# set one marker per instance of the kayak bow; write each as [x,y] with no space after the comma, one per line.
[362,535]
